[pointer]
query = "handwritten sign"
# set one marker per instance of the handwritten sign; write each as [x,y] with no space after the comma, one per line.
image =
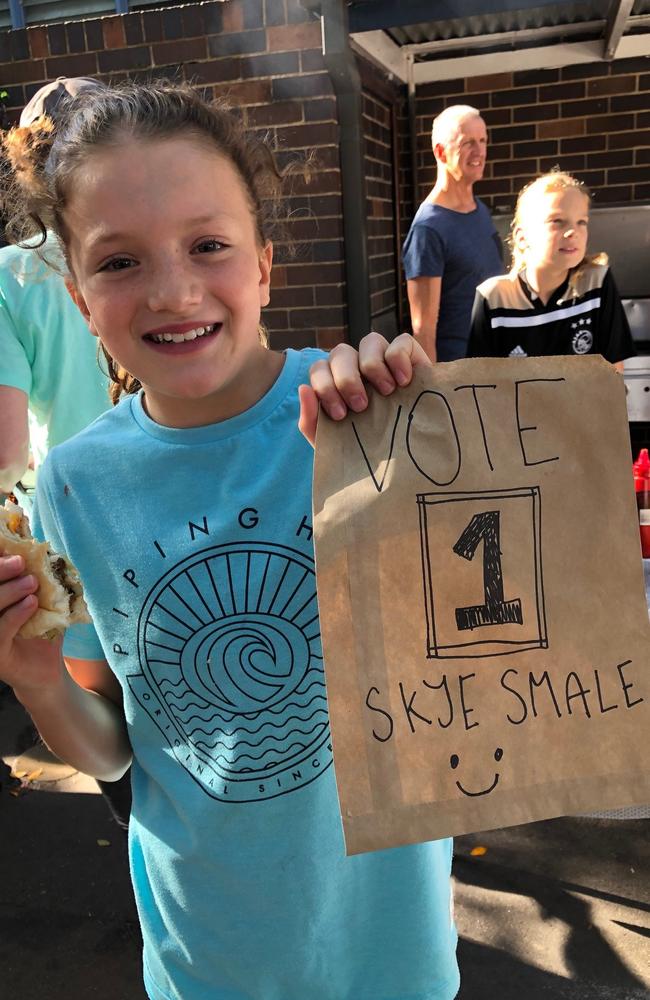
[483,612]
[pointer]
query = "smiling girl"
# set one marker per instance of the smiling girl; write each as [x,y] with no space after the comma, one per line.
[187,510]
[556,299]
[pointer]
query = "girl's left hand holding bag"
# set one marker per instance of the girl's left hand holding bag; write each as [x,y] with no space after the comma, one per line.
[337,382]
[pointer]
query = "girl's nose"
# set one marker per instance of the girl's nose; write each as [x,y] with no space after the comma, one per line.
[172,289]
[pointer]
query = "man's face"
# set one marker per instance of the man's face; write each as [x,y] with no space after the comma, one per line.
[465,152]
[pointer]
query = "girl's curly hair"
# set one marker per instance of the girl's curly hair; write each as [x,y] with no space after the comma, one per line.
[39,161]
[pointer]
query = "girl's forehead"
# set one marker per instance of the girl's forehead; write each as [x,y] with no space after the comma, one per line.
[157,172]
[569,196]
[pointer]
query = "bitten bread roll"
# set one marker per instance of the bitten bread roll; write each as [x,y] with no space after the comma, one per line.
[60,594]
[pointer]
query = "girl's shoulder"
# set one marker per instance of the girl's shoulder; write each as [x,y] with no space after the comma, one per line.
[101,437]
[591,275]
[500,284]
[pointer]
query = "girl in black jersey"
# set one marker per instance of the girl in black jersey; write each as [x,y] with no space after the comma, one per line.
[556,299]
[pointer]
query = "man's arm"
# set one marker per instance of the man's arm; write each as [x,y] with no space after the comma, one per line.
[14,436]
[424,303]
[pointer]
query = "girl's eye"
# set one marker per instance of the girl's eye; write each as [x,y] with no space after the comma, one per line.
[208,246]
[117,264]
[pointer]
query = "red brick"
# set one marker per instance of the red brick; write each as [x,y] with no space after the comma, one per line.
[232,16]
[628,140]
[287,297]
[279,277]
[608,194]
[536,113]
[178,51]
[583,144]
[562,91]
[301,136]
[585,109]
[114,36]
[248,92]
[611,85]
[30,70]
[38,43]
[306,274]
[557,129]
[301,319]
[284,37]
[327,339]
[495,82]
[630,102]
[286,113]
[82,64]
[610,123]
[217,70]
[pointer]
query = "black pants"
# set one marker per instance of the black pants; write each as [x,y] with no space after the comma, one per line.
[118,796]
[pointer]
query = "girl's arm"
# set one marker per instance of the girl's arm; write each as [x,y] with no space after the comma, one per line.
[337,382]
[77,710]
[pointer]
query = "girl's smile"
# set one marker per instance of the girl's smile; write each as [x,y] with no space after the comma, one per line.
[172,337]
[170,272]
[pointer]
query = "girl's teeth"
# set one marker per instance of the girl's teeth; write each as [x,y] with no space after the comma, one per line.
[178,338]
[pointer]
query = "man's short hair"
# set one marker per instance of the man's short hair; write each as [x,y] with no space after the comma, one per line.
[446,124]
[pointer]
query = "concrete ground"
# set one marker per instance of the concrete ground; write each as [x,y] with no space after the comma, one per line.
[558,910]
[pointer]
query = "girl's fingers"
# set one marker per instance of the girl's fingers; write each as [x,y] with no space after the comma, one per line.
[14,617]
[337,382]
[308,412]
[10,566]
[372,362]
[403,355]
[15,590]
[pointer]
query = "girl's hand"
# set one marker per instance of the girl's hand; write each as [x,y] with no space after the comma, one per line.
[337,384]
[28,665]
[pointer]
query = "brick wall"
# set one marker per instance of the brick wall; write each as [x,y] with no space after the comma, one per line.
[592,120]
[265,55]
[382,102]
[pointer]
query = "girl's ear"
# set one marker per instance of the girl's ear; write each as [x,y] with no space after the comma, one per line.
[80,303]
[266,263]
[519,239]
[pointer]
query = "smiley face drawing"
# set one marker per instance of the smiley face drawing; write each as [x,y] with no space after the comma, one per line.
[454,761]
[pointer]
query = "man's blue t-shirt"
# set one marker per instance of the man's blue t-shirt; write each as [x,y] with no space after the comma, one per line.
[195,549]
[462,248]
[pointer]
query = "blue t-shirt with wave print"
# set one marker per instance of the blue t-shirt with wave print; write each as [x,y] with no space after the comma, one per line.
[195,548]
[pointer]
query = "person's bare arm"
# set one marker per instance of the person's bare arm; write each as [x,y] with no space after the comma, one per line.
[424,303]
[81,719]
[14,439]
[76,708]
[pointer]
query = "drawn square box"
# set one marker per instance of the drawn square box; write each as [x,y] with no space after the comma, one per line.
[482,572]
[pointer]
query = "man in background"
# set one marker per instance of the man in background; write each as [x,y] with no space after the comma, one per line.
[452,245]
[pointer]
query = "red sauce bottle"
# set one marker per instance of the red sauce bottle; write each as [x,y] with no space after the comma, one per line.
[642,487]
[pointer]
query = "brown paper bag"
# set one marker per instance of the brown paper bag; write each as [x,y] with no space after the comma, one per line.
[483,613]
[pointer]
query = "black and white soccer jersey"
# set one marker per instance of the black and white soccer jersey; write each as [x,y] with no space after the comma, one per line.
[584,316]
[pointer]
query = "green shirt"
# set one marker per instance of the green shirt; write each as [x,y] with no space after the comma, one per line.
[47,350]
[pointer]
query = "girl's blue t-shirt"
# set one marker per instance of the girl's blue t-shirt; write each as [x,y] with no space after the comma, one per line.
[195,549]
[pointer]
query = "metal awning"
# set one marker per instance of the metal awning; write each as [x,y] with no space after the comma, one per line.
[419,40]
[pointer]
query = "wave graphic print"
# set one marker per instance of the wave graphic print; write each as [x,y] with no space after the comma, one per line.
[229,640]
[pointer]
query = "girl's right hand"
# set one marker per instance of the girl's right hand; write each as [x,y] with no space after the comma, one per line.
[30,666]
[337,382]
